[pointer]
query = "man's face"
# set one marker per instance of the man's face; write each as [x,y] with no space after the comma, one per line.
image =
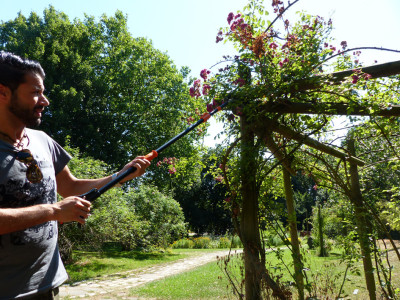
[28,102]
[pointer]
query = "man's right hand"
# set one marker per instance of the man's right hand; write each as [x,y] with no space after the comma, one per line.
[72,209]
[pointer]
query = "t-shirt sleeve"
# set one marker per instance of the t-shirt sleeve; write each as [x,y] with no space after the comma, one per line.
[60,157]
[56,153]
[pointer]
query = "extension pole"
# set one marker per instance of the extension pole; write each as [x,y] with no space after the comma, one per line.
[95,193]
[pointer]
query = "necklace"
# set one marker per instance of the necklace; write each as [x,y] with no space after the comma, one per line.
[18,143]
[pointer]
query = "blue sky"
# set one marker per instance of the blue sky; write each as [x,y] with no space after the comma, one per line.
[186,29]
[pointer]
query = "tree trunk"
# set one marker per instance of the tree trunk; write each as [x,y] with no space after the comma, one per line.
[364,227]
[298,264]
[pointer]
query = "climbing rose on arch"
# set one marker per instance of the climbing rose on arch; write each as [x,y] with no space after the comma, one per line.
[206,88]
[204,73]
[230,17]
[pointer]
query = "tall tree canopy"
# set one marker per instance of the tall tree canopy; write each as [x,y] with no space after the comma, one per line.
[116,96]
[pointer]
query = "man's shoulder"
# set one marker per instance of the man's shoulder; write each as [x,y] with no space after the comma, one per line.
[36,133]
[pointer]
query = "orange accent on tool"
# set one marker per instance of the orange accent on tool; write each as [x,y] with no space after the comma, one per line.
[153,154]
[205,116]
[219,108]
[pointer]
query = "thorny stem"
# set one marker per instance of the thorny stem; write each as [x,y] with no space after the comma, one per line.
[224,161]
[229,276]
[333,173]
[383,227]
[280,15]
[386,138]
[344,279]
[378,264]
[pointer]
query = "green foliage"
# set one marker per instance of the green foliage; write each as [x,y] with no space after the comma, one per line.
[337,220]
[137,218]
[114,95]
[204,202]
[113,220]
[222,242]
[162,213]
[202,243]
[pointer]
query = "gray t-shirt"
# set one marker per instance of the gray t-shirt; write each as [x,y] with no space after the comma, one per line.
[29,259]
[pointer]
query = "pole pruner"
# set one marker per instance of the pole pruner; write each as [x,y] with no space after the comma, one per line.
[96,193]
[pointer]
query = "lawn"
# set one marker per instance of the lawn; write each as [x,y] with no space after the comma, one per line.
[324,276]
[88,265]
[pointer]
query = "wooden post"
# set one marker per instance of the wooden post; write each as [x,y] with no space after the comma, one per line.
[364,228]
[255,271]
[294,240]
[249,214]
[322,250]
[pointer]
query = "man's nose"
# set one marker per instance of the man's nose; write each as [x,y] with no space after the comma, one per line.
[44,101]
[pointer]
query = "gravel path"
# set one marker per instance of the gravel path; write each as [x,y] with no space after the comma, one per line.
[126,280]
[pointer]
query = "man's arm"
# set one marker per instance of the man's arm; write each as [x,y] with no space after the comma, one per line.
[72,208]
[68,210]
[69,185]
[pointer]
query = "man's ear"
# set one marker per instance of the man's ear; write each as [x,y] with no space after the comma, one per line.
[5,93]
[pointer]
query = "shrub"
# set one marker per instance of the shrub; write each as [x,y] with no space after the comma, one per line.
[208,243]
[163,214]
[202,243]
[140,218]
[125,218]
[236,242]
[183,244]
[115,221]
[224,242]
[273,240]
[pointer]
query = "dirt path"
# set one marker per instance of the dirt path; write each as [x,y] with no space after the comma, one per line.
[123,281]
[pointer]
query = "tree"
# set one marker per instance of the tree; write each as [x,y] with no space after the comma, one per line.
[114,95]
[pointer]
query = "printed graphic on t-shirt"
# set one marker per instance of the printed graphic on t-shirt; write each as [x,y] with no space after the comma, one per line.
[22,193]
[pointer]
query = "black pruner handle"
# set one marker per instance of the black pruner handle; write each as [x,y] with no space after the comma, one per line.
[92,195]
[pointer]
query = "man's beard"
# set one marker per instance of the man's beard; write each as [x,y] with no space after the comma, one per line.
[27,116]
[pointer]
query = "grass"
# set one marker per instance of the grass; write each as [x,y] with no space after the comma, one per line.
[324,275]
[325,278]
[88,265]
[202,283]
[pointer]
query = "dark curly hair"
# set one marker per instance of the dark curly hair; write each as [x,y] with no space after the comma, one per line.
[14,68]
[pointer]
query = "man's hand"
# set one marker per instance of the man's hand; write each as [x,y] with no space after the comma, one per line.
[140,163]
[72,209]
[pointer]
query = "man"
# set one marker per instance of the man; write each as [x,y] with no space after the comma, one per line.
[33,169]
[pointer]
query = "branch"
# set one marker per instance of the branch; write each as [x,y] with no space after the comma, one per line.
[291,134]
[386,138]
[360,48]
[280,15]
[376,71]
[333,173]
[277,152]
[224,161]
